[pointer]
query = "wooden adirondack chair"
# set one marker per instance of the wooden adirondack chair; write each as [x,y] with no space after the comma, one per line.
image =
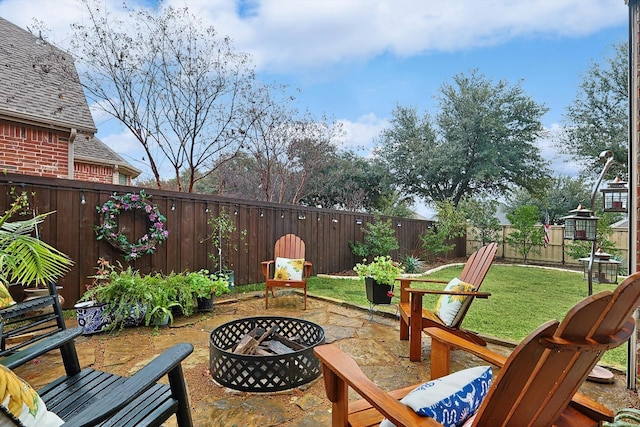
[288,246]
[537,384]
[414,318]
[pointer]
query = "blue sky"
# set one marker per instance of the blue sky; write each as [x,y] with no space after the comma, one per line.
[355,60]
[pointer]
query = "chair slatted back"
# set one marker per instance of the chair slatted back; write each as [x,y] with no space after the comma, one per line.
[477,266]
[549,366]
[289,246]
[474,272]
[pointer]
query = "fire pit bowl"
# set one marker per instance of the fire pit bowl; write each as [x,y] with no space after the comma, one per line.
[258,373]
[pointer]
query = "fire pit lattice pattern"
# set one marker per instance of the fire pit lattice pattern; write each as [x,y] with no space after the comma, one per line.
[257,373]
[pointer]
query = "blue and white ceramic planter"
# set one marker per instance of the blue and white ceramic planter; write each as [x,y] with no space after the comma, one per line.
[92,317]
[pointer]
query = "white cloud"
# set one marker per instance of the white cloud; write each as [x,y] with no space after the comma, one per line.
[288,35]
[293,35]
[560,164]
[359,135]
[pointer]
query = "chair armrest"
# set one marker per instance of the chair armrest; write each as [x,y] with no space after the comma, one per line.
[591,408]
[53,342]
[265,268]
[341,371]
[98,410]
[443,341]
[442,292]
[307,268]
[409,280]
[405,283]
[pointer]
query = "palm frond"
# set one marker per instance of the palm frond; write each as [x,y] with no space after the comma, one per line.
[24,258]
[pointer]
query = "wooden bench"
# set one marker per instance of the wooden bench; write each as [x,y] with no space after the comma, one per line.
[90,397]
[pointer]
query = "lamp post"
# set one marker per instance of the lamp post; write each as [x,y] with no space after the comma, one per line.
[582,225]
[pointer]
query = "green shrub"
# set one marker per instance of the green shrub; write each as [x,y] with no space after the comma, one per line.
[379,240]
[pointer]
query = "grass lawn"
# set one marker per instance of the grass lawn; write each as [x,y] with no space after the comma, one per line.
[522,299]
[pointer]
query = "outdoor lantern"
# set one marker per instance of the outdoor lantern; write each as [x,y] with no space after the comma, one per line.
[580,225]
[614,197]
[604,269]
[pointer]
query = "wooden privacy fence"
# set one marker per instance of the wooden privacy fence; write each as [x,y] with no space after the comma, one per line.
[555,253]
[325,232]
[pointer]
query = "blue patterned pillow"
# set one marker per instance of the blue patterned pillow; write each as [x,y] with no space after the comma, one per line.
[452,399]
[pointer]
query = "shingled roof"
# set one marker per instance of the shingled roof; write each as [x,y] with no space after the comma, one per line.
[39,86]
[90,149]
[39,82]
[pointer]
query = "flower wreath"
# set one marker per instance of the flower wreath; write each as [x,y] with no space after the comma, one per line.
[108,229]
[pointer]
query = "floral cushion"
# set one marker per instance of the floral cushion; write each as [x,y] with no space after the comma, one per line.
[448,306]
[18,401]
[452,399]
[288,269]
[5,297]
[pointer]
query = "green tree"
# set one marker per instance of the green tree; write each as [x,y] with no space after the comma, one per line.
[598,118]
[526,235]
[481,215]
[564,194]
[451,223]
[181,89]
[355,183]
[485,142]
[379,240]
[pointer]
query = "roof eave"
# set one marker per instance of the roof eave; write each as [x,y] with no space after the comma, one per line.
[31,120]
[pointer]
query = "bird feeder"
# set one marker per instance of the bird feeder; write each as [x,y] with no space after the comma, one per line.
[614,197]
[603,270]
[580,225]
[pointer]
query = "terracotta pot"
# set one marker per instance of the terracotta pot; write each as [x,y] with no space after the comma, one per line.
[31,293]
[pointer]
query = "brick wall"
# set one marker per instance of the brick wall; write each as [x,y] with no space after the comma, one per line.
[93,173]
[42,152]
[33,151]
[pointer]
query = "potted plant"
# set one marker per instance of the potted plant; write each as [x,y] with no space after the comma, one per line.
[24,258]
[223,228]
[204,286]
[379,277]
[124,294]
[163,298]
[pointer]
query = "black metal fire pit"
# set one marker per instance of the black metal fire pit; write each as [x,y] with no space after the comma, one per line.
[256,373]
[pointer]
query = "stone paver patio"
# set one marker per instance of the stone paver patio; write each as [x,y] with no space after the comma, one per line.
[374,345]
